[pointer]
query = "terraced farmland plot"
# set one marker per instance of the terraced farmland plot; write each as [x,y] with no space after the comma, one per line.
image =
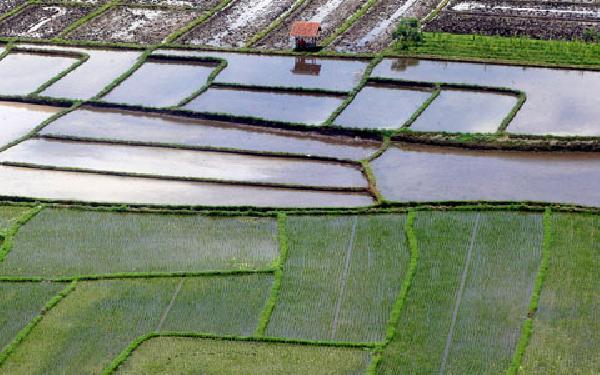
[58,185]
[42,21]
[237,23]
[24,73]
[565,336]
[214,356]
[68,243]
[168,162]
[18,119]
[161,83]
[97,124]
[10,214]
[341,278]
[19,303]
[470,295]
[98,320]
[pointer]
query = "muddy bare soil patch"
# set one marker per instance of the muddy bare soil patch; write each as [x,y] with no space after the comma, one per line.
[196,4]
[42,21]
[538,19]
[237,23]
[331,14]
[6,5]
[138,25]
[373,31]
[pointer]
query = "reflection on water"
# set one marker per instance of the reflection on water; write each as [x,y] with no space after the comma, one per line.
[559,101]
[18,119]
[306,66]
[421,173]
[97,123]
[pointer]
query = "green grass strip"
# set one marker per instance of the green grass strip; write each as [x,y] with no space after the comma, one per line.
[352,94]
[435,12]
[372,181]
[9,235]
[521,99]
[527,329]
[410,275]
[193,24]
[209,81]
[349,22]
[10,348]
[376,358]
[84,57]
[122,357]
[88,17]
[265,317]
[275,24]
[16,10]
[434,95]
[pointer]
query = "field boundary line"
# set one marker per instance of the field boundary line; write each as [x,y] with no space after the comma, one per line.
[267,313]
[344,278]
[88,18]
[209,81]
[273,25]
[348,23]
[80,61]
[527,328]
[16,10]
[169,306]
[196,22]
[422,108]
[459,294]
[22,335]
[507,120]
[11,233]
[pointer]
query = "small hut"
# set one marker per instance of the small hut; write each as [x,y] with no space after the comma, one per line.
[305,35]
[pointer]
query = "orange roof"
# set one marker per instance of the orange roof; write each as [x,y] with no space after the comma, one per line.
[305,29]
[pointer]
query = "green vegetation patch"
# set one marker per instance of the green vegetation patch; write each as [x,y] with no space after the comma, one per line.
[98,320]
[565,336]
[60,242]
[182,355]
[341,278]
[9,215]
[513,49]
[21,302]
[470,294]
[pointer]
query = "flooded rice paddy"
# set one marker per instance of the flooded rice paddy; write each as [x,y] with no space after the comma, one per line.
[275,106]
[559,101]
[283,71]
[161,83]
[95,123]
[24,73]
[183,163]
[421,173]
[460,111]
[382,107]
[18,119]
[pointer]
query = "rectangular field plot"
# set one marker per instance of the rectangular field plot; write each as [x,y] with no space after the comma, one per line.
[42,21]
[161,83]
[97,321]
[21,302]
[422,173]
[341,278]
[158,161]
[565,328]
[137,25]
[458,111]
[59,185]
[18,119]
[178,355]
[9,215]
[283,71]
[275,106]
[330,13]
[60,242]
[382,107]
[470,295]
[236,23]
[95,123]
[23,73]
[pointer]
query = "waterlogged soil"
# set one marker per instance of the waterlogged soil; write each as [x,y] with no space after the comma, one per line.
[184,163]
[42,21]
[236,23]
[382,107]
[559,101]
[330,13]
[137,25]
[283,71]
[93,123]
[459,111]
[7,5]
[373,31]
[56,185]
[161,84]
[23,73]
[275,106]
[18,119]
[421,173]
